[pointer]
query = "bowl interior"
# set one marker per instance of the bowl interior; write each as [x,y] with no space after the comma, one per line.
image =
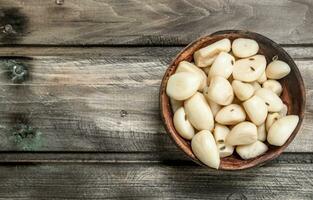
[293,94]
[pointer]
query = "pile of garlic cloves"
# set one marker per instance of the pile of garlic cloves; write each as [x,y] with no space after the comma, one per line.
[229,100]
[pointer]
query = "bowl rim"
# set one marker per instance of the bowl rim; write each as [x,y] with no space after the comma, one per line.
[181,143]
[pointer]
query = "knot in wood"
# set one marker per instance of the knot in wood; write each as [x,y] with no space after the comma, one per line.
[123,113]
[59,2]
[8,29]
[19,73]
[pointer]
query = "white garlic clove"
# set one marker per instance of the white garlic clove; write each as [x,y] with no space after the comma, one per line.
[281,130]
[244,47]
[220,91]
[214,107]
[205,56]
[270,119]
[262,132]
[175,104]
[222,66]
[185,66]
[182,124]
[241,134]
[273,102]
[256,109]
[249,69]
[273,85]
[262,78]
[251,150]
[220,133]
[204,147]
[231,115]
[256,85]
[284,111]
[277,69]
[206,70]
[199,113]
[243,91]
[183,85]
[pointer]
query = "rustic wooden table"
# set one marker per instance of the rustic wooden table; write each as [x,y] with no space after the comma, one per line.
[79,110]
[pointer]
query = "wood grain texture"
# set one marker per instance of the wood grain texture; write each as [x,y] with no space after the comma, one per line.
[152,181]
[165,22]
[99,103]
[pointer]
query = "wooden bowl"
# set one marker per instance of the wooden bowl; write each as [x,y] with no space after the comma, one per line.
[293,95]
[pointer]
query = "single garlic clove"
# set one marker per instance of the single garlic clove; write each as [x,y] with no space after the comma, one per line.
[284,111]
[231,115]
[205,56]
[243,47]
[256,85]
[277,69]
[243,91]
[270,119]
[251,150]
[262,132]
[185,66]
[241,134]
[183,85]
[182,124]
[273,85]
[262,78]
[256,109]
[214,106]
[249,69]
[175,104]
[222,66]
[273,102]
[204,147]
[220,91]
[220,133]
[199,113]
[281,130]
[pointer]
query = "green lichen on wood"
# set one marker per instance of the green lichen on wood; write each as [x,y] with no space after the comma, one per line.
[26,138]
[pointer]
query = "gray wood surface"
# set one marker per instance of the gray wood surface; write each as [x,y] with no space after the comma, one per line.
[151,181]
[107,102]
[166,22]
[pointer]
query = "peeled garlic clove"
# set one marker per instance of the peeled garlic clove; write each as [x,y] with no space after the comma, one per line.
[262,78]
[199,113]
[243,91]
[251,150]
[204,57]
[214,106]
[281,130]
[182,124]
[222,66]
[283,112]
[230,115]
[256,85]
[185,66]
[273,102]
[243,47]
[277,69]
[256,109]
[262,132]
[241,134]
[220,91]
[273,85]
[175,104]
[182,85]
[204,147]
[220,133]
[271,118]
[249,69]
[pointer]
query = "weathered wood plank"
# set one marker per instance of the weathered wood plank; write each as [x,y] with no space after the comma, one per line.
[126,157]
[100,103]
[297,52]
[165,22]
[152,181]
